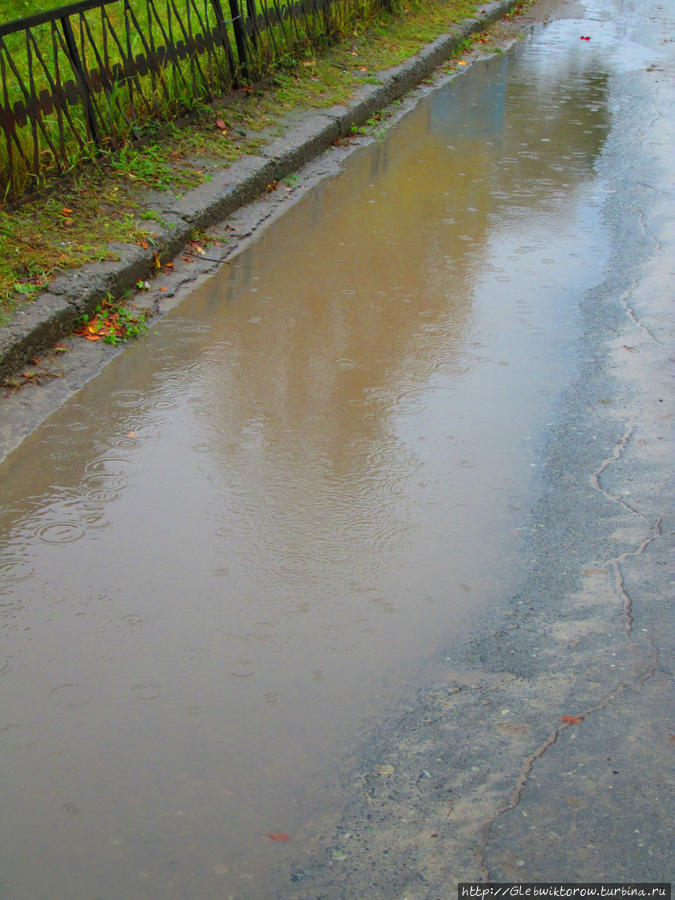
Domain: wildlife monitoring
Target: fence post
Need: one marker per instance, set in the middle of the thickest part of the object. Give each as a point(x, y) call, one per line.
point(239, 36)
point(250, 9)
point(220, 19)
point(80, 75)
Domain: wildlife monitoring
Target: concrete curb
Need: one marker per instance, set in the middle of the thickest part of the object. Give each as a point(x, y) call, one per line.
point(52, 315)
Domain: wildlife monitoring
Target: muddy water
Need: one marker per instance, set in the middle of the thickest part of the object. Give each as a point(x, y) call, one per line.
point(228, 553)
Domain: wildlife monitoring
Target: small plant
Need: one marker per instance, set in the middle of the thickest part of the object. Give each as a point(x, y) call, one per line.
point(370, 126)
point(153, 215)
point(111, 323)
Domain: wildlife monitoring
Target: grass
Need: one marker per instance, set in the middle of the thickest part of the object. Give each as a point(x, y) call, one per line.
point(73, 222)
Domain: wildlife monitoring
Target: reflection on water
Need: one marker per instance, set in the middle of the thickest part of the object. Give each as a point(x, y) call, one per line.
point(227, 553)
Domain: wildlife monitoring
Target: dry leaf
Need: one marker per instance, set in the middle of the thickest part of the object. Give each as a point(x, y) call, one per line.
point(571, 720)
point(279, 836)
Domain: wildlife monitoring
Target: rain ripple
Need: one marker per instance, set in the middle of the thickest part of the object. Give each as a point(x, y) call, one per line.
point(60, 532)
point(15, 569)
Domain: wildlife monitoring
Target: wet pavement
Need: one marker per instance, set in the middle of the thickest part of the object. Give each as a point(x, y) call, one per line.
point(237, 550)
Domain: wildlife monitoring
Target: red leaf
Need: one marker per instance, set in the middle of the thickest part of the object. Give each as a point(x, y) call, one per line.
point(280, 836)
point(571, 720)
point(220, 124)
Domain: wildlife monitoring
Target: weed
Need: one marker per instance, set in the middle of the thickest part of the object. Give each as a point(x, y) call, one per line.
point(111, 323)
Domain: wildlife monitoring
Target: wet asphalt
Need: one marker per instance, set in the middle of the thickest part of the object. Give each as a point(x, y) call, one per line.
point(542, 748)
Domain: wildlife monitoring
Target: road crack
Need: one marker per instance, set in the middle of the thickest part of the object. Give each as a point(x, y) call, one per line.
point(529, 762)
point(632, 315)
point(614, 564)
point(615, 455)
point(614, 567)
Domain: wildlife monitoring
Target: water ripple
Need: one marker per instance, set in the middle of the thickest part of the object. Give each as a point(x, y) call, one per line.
point(60, 532)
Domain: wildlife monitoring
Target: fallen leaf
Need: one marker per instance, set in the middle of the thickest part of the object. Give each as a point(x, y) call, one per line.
point(168, 265)
point(66, 211)
point(145, 245)
point(164, 288)
point(68, 222)
point(280, 836)
point(462, 62)
point(132, 434)
point(93, 337)
point(571, 720)
point(627, 347)
point(221, 124)
point(384, 770)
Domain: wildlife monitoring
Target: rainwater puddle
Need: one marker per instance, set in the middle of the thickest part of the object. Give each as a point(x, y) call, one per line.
point(233, 549)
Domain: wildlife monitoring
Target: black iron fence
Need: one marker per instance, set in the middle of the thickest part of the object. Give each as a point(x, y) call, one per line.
point(87, 77)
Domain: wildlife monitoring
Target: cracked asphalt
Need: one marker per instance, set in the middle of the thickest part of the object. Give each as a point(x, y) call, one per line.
point(541, 749)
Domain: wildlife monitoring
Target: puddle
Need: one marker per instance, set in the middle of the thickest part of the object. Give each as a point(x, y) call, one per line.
point(232, 550)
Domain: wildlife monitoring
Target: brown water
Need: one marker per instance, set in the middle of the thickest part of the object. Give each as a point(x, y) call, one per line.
point(230, 552)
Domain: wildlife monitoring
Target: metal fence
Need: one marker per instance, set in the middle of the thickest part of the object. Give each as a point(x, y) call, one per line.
point(87, 77)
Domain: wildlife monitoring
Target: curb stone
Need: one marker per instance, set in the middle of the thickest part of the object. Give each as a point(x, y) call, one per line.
point(51, 316)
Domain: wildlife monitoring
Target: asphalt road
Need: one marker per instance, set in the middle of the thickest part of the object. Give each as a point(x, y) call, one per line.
point(541, 749)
